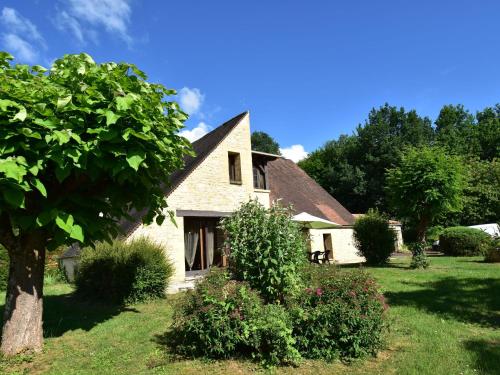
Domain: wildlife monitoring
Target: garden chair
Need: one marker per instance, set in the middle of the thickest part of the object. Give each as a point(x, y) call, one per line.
point(314, 257)
point(326, 257)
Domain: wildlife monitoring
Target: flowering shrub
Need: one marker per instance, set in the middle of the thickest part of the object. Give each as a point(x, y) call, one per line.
point(339, 317)
point(223, 318)
point(271, 306)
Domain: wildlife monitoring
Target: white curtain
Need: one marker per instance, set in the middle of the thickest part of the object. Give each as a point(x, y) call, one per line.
point(190, 246)
point(209, 242)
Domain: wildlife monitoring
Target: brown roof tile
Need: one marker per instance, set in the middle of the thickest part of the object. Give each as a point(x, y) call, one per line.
point(293, 186)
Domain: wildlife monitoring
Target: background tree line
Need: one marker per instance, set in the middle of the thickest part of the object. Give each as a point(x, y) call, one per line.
point(353, 167)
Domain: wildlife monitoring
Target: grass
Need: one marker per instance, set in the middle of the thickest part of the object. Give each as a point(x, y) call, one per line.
point(444, 320)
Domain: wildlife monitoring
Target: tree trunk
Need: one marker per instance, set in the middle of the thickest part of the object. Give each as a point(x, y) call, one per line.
point(422, 228)
point(22, 318)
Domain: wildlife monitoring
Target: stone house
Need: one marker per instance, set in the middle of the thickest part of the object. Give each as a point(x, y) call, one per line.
point(224, 173)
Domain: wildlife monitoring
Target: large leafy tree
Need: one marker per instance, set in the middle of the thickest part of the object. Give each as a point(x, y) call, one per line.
point(481, 202)
point(427, 183)
point(335, 167)
point(81, 146)
point(265, 143)
point(455, 130)
point(488, 133)
point(352, 168)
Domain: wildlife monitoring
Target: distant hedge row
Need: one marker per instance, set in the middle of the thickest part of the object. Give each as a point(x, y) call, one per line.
point(464, 241)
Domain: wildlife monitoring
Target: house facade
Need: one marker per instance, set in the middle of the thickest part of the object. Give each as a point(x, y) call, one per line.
point(225, 173)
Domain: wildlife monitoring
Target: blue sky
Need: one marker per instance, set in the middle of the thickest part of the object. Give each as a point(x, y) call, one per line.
point(308, 71)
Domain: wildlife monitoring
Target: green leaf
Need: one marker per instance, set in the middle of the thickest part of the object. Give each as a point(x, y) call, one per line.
point(124, 102)
point(65, 222)
point(63, 101)
point(40, 186)
point(38, 69)
point(14, 197)
point(77, 233)
point(46, 217)
point(30, 133)
point(111, 117)
point(48, 123)
point(21, 115)
point(135, 158)
point(5, 103)
point(160, 219)
point(62, 136)
point(12, 169)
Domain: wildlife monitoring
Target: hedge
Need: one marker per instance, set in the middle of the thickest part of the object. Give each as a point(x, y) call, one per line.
point(464, 241)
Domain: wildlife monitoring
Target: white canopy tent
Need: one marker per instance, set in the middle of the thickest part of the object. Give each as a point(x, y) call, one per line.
point(313, 222)
point(492, 229)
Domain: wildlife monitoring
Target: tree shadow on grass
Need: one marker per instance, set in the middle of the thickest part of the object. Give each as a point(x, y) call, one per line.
point(67, 312)
point(470, 300)
point(487, 355)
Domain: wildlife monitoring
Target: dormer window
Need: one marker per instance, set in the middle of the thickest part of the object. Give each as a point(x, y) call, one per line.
point(259, 176)
point(234, 168)
point(259, 166)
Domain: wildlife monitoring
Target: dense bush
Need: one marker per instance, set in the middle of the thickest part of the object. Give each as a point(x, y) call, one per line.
point(374, 238)
point(266, 249)
point(339, 317)
point(124, 272)
point(463, 241)
point(273, 336)
point(4, 268)
point(493, 253)
point(223, 318)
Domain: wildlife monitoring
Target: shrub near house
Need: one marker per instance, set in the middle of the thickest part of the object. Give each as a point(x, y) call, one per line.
point(374, 238)
point(281, 311)
point(123, 272)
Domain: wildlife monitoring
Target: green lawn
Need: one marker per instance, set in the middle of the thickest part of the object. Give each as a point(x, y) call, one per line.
point(445, 320)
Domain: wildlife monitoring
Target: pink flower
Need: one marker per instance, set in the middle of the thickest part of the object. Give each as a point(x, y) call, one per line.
point(319, 292)
point(352, 293)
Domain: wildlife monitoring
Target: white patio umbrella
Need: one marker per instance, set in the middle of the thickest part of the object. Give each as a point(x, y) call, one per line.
point(313, 222)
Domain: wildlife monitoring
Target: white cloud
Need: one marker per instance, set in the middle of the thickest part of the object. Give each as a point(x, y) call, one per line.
point(190, 100)
point(20, 48)
point(294, 153)
point(18, 25)
point(196, 133)
point(65, 22)
point(112, 15)
point(21, 36)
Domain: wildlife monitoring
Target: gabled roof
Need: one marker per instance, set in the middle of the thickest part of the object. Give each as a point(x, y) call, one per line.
point(294, 187)
point(202, 148)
